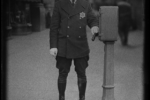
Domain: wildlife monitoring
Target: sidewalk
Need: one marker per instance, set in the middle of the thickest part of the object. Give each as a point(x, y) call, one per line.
point(32, 74)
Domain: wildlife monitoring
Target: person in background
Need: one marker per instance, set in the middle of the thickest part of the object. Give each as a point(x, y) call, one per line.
point(48, 19)
point(125, 21)
point(68, 41)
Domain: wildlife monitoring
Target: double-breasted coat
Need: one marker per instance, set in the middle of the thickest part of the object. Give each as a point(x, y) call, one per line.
point(68, 28)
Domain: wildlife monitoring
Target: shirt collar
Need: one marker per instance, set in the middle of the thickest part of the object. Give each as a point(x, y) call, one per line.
point(74, 1)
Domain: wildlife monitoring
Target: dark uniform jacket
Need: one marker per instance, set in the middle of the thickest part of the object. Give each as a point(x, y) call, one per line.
point(68, 28)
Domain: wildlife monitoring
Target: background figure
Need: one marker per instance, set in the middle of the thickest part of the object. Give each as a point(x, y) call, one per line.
point(125, 21)
point(48, 19)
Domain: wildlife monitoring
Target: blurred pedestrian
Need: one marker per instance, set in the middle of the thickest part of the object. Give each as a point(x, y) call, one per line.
point(68, 41)
point(48, 19)
point(125, 21)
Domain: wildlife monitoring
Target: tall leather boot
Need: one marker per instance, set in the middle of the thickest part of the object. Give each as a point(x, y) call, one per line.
point(82, 89)
point(61, 89)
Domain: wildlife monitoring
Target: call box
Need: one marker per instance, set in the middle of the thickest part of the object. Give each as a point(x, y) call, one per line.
point(108, 23)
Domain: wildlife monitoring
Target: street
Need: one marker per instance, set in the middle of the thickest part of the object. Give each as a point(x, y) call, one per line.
point(32, 74)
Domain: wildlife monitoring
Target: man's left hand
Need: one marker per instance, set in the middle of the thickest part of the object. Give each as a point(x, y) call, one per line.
point(94, 29)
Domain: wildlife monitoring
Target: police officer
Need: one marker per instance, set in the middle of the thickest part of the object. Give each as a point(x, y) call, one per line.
point(68, 41)
point(125, 20)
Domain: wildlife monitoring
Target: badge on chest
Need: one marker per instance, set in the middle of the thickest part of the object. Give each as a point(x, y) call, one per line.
point(82, 15)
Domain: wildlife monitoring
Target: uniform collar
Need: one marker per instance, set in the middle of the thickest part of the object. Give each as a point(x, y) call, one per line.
point(79, 7)
point(74, 1)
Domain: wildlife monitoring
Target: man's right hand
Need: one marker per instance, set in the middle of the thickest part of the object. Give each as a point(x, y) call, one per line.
point(53, 51)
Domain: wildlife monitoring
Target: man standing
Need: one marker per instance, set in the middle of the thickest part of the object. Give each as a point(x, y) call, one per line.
point(125, 20)
point(68, 41)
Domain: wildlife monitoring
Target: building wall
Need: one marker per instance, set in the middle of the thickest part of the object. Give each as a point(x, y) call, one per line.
point(137, 8)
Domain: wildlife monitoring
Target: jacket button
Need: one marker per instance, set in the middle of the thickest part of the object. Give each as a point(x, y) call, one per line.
point(79, 36)
point(80, 27)
point(67, 35)
point(68, 27)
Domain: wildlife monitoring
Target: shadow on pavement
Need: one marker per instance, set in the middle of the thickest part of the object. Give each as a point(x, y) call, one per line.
point(129, 46)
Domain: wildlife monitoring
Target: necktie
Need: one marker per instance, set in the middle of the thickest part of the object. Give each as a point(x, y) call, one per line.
point(73, 2)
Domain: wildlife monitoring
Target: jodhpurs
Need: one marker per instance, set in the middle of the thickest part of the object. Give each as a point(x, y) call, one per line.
point(64, 64)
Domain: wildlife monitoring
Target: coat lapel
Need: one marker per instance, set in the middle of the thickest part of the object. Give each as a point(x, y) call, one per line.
point(79, 7)
point(66, 6)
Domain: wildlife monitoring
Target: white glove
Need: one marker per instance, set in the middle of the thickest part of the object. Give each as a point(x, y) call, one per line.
point(94, 29)
point(53, 51)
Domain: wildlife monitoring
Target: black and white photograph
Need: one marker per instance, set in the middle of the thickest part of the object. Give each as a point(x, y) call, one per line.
point(73, 50)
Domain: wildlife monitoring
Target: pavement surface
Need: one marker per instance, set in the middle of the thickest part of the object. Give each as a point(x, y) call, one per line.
point(32, 74)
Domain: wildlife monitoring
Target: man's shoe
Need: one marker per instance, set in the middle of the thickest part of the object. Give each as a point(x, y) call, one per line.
point(82, 98)
point(82, 88)
point(61, 98)
point(61, 89)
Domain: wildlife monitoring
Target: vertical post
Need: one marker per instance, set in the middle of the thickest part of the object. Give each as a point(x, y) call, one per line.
point(108, 80)
point(108, 29)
